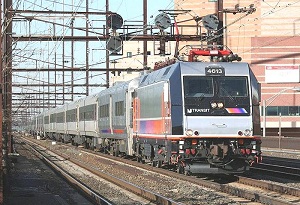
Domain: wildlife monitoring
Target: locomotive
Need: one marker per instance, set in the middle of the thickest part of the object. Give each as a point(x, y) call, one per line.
point(195, 117)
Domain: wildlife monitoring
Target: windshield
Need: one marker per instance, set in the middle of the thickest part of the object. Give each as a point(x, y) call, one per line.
point(197, 86)
point(232, 86)
point(202, 86)
point(216, 95)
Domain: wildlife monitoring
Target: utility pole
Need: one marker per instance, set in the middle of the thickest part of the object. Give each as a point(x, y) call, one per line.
point(55, 87)
point(221, 11)
point(145, 33)
point(7, 76)
point(220, 29)
point(106, 50)
point(1, 109)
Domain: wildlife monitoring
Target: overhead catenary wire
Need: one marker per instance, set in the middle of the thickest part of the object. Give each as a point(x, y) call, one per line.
point(48, 61)
point(272, 11)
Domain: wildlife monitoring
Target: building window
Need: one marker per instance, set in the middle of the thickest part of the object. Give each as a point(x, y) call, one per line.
point(293, 110)
point(129, 54)
point(272, 111)
point(283, 110)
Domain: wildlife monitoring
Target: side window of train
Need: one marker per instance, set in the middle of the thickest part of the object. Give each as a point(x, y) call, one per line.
point(119, 108)
point(104, 111)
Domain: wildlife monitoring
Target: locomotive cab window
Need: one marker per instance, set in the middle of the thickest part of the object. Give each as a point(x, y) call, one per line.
point(216, 95)
point(198, 86)
point(233, 87)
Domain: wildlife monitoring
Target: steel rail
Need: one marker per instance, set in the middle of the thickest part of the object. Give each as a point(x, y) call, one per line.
point(285, 171)
point(96, 198)
point(250, 195)
point(269, 186)
point(149, 195)
point(225, 188)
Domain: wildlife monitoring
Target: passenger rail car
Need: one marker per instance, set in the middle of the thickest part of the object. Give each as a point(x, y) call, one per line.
point(196, 117)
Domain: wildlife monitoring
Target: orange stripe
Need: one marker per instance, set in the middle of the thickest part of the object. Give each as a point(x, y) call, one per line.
point(136, 114)
point(165, 112)
point(118, 131)
point(162, 113)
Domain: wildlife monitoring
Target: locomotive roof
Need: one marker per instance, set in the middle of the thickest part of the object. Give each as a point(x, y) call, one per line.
point(231, 68)
point(163, 74)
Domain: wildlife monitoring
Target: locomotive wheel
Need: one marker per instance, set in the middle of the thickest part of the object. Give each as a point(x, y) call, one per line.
point(139, 159)
point(115, 153)
point(159, 164)
point(187, 173)
point(180, 169)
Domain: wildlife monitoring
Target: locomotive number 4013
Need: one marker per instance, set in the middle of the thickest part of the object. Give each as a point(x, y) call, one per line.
point(214, 71)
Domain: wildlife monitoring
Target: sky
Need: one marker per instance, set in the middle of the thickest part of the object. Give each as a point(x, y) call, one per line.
point(39, 54)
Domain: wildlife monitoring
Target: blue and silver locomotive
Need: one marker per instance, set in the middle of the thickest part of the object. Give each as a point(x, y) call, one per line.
point(198, 117)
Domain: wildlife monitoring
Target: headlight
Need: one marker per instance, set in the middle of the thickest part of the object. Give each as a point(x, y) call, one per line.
point(189, 132)
point(220, 105)
point(213, 105)
point(247, 132)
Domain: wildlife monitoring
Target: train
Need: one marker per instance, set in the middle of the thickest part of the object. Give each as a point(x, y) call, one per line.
point(194, 117)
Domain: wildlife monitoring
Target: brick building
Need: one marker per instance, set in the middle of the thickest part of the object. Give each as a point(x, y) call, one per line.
point(268, 39)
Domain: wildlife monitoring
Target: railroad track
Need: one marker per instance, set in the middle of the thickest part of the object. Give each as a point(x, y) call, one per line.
point(95, 197)
point(242, 187)
point(286, 166)
point(281, 189)
point(48, 159)
point(278, 170)
point(283, 161)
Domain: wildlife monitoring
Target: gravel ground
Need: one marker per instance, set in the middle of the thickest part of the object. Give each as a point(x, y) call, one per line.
point(30, 181)
point(289, 154)
point(175, 189)
point(110, 191)
point(178, 190)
